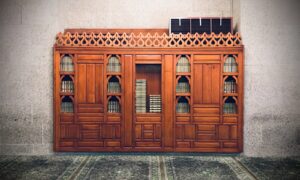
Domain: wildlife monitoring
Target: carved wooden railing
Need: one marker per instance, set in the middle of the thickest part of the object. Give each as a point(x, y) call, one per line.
point(147, 40)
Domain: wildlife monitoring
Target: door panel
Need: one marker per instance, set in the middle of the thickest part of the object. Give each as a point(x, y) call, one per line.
point(206, 83)
point(90, 98)
point(201, 132)
point(90, 83)
point(147, 132)
point(215, 86)
point(198, 81)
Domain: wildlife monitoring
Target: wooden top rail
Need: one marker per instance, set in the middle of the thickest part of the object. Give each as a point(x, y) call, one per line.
point(146, 40)
point(152, 31)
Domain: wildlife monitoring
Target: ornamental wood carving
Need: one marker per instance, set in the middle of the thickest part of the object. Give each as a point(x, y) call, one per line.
point(147, 41)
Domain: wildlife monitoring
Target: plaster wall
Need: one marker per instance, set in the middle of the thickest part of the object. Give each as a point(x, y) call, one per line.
point(28, 29)
point(27, 34)
point(271, 35)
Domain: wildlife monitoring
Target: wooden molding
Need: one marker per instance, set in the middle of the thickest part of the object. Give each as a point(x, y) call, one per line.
point(149, 40)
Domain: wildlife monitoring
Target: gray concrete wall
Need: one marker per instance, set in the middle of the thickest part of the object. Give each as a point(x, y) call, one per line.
point(28, 29)
point(271, 35)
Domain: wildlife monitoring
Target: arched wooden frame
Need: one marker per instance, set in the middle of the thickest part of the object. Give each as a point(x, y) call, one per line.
point(71, 97)
point(63, 55)
point(183, 55)
point(119, 79)
point(189, 60)
point(186, 97)
point(107, 63)
point(235, 59)
point(119, 99)
point(234, 77)
point(188, 100)
point(118, 56)
point(233, 97)
point(233, 55)
point(61, 101)
point(111, 76)
point(180, 76)
point(63, 76)
point(187, 77)
point(236, 81)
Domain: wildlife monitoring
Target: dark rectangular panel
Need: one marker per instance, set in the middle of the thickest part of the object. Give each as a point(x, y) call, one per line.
point(221, 25)
point(180, 26)
point(200, 26)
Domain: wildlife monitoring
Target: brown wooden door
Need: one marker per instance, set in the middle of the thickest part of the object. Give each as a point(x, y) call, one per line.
point(206, 100)
point(200, 130)
point(90, 100)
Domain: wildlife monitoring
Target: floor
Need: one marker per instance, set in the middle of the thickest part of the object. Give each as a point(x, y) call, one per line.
point(147, 166)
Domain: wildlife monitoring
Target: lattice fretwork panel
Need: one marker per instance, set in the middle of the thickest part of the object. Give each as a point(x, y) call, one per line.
point(148, 40)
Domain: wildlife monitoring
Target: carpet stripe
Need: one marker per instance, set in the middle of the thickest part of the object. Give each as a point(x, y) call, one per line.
point(162, 168)
point(159, 169)
point(150, 168)
point(71, 168)
point(238, 169)
point(155, 170)
point(75, 173)
point(87, 170)
point(165, 168)
point(245, 167)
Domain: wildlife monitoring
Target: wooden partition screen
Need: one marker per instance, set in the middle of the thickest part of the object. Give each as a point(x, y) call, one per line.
point(143, 90)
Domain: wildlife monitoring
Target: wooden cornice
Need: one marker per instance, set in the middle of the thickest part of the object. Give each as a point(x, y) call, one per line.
point(143, 38)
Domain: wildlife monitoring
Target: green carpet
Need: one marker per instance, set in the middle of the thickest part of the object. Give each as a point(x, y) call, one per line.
point(146, 166)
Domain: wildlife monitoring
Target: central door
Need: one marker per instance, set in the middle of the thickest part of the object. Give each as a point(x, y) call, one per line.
point(147, 100)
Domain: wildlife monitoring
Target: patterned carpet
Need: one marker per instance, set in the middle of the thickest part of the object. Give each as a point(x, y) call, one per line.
point(145, 166)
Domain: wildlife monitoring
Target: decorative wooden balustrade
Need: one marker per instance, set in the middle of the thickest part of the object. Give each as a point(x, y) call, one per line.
point(147, 40)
